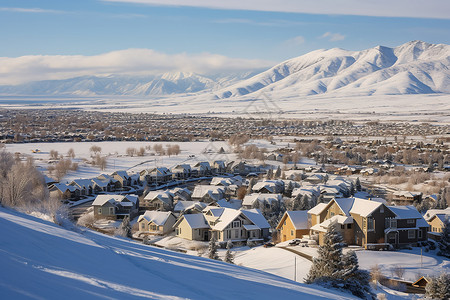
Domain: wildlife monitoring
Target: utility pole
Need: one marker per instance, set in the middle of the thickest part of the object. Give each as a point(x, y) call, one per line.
point(295, 268)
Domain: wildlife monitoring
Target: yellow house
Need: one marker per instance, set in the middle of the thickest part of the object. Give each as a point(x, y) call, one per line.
point(293, 224)
point(437, 223)
point(192, 227)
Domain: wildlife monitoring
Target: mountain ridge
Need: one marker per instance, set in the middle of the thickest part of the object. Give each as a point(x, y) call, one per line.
point(414, 67)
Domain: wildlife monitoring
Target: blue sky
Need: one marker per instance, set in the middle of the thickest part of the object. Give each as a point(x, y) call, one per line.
point(227, 32)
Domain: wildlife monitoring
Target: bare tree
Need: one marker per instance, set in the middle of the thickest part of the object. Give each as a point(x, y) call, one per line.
point(95, 149)
point(141, 151)
point(54, 154)
point(71, 153)
point(131, 151)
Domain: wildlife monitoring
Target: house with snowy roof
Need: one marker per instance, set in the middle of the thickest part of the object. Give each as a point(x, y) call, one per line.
point(84, 185)
point(406, 197)
point(158, 200)
point(181, 172)
point(115, 206)
point(293, 224)
point(269, 187)
point(156, 175)
point(122, 177)
point(64, 192)
point(436, 219)
point(156, 222)
point(208, 193)
point(367, 223)
point(202, 168)
point(261, 200)
point(225, 223)
point(189, 207)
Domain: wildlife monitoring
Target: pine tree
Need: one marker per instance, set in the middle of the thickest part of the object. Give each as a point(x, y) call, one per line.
point(304, 204)
point(278, 172)
point(438, 287)
point(328, 264)
point(444, 243)
point(212, 250)
point(229, 257)
point(124, 228)
point(333, 269)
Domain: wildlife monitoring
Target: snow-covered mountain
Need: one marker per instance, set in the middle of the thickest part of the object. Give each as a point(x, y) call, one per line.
point(412, 68)
point(165, 84)
point(40, 260)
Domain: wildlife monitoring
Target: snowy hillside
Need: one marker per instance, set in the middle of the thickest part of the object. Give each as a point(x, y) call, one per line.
point(412, 68)
point(165, 84)
point(43, 261)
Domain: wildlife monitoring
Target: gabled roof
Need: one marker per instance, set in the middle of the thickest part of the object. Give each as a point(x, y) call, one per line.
point(122, 174)
point(195, 221)
point(202, 190)
point(318, 209)
point(256, 217)
point(405, 212)
point(86, 183)
point(64, 187)
point(102, 199)
point(299, 218)
point(227, 216)
point(157, 217)
point(184, 205)
point(431, 212)
point(250, 199)
point(100, 183)
point(364, 207)
point(233, 203)
point(345, 204)
point(163, 196)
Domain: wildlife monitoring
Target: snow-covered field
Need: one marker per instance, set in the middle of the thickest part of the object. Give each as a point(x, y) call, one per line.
point(40, 260)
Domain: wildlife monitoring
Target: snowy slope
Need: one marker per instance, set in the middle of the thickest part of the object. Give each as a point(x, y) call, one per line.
point(40, 260)
point(412, 68)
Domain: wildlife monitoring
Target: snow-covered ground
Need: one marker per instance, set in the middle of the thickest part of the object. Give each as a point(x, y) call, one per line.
point(40, 260)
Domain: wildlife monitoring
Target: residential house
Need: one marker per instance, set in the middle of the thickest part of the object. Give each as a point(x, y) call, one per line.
point(156, 222)
point(114, 183)
point(180, 194)
point(122, 177)
point(436, 219)
point(208, 193)
point(406, 198)
point(192, 227)
point(181, 172)
point(203, 169)
point(367, 223)
point(64, 192)
point(293, 224)
point(408, 226)
point(189, 207)
point(158, 175)
point(263, 200)
point(100, 186)
point(158, 200)
point(219, 167)
point(115, 206)
point(84, 185)
point(269, 187)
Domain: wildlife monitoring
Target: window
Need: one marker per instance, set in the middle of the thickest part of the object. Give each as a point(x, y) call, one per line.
point(111, 210)
point(382, 209)
point(411, 234)
point(370, 225)
point(142, 226)
point(332, 214)
point(420, 234)
point(292, 232)
point(364, 222)
point(236, 233)
point(393, 223)
point(236, 223)
point(99, 210)
point(410, 221)
point(342, 226)
point(349, 226)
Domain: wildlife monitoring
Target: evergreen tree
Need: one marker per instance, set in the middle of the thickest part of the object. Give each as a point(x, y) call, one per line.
point(328, 264)
point(229, 257)
point(289, 189)
point(124, 228)
point(270, 174)
point(444, 243)
point(212, 250)
point(333, 269)
point(438, 287)
point(305, 205)
point(278, 172)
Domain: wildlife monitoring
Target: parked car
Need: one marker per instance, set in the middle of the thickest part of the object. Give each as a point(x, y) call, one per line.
point(294, 242)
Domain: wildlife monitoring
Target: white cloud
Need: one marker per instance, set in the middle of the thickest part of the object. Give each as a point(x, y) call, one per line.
point(334, 37)
point(15, 70)
point(380, 8)
point(30, 10)
point(296, 41)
